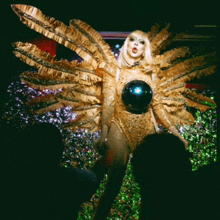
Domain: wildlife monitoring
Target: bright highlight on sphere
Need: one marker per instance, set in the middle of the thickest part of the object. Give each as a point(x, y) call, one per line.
point(137, 96)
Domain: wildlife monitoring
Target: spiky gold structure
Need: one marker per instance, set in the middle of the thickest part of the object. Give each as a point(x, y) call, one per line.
point(91, 85)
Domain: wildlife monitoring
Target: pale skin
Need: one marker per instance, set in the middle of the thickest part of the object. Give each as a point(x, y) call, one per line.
point(136, 46)
point(115, 161)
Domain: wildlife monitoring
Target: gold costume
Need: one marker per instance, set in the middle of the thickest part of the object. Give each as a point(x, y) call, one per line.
point(134, 126)
point(91, 86)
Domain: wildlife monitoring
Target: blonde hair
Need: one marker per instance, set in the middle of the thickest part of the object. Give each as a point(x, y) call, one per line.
point(125, 61)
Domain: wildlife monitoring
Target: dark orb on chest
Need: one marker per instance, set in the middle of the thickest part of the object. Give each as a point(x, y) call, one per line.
point(137, 96)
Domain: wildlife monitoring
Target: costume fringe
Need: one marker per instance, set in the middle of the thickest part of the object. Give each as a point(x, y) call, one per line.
point(188, 66)
point(188, 76)
point(158, 40)
point(182, 118)
point(166, 59)
point(199, 101)
point(85, 121)
point(79, 37)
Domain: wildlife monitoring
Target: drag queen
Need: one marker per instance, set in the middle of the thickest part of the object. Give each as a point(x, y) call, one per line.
point(134, 63)
point(127, 99)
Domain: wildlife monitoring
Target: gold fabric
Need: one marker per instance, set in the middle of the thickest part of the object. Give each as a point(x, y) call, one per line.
point(134, 126)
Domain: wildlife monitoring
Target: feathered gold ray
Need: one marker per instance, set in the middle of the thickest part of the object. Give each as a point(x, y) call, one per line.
point(91, 90)
point(42, 82)
point(33, 56)
point(152, 33)
point(52, 103)
point(95, 38)
point(51, 72)
point(188, 76)
point(176, 98)
point(188, 66)
point(158, 40)
point(191, 99)
point(172, 102)
point(85, 121)
point(182, 117)
point(197, 105)
point(63, 104)
point(180, 87)
point(26, 49)
point(198, 101)
point(79, 75)
point(42, 102)
point(74, 96)
point(87, 113)
point(59, 32)
point(171, 109)
point(167, 42)
point(165, 60)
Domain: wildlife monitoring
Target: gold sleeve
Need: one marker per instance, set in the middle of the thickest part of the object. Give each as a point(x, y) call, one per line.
point(109, 98)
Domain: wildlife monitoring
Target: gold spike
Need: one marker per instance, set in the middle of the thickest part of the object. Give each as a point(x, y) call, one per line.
point(179, 87)
point(159, 39)
point(187, 66)
point(170, 102)
point(188, 76)
point(153, 32)
point(165, 59)
point(57, 31)
point(199, 101)
point(171, 109)
point(180, 120)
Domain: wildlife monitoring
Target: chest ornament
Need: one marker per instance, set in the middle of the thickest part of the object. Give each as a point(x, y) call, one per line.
point(136, 96)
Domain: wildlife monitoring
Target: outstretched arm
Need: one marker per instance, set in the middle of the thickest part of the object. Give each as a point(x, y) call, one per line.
point(109, 96)
point(162, 115)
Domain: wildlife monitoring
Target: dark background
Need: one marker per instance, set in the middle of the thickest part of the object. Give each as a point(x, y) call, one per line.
point(123, 15)
point(107, 16)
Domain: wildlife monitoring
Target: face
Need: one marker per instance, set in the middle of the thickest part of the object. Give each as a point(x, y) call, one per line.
point(136, 46)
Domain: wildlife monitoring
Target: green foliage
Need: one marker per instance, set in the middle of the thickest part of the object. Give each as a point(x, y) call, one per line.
point(202, 138)
point(126, 204)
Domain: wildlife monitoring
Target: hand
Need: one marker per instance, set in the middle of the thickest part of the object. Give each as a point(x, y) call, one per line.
point(186, 144)
point(176, 133)
point(100, 145)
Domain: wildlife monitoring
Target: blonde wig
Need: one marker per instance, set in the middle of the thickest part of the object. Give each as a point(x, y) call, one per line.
point(125, 61)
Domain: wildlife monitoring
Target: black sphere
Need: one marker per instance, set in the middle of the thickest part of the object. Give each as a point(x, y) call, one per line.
point(136, 96)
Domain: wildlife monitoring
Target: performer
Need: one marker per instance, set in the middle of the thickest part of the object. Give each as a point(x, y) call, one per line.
point(134, 60)
point(127, 98)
